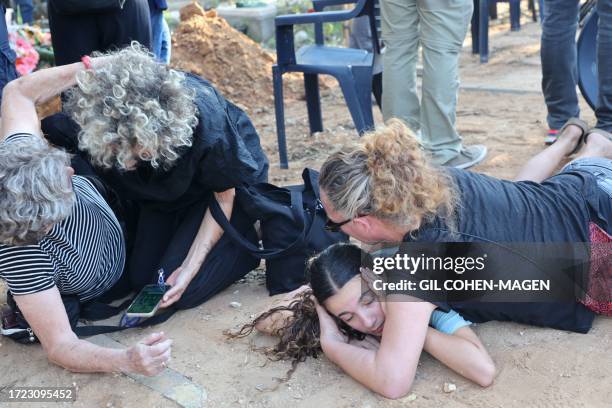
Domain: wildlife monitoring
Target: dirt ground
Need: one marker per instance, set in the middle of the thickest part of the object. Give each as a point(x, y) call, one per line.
point(500, 105)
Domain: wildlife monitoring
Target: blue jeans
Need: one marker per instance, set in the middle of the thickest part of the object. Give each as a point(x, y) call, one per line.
point(160, 36)
point(600, 167)
point(7, 55)
point(26, 9)
point(558, 54)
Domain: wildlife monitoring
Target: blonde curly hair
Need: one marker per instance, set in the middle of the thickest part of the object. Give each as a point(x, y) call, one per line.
point(387, 175)
point(132, 109)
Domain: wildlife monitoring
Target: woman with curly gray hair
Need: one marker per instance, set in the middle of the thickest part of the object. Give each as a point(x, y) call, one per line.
point(168, 141)
point(59, 238)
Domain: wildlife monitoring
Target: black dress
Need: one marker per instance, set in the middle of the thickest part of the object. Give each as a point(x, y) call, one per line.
point(171, 204)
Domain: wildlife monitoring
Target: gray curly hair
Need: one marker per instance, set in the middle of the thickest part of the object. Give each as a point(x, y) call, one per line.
point(132, 109)
point(35, 191)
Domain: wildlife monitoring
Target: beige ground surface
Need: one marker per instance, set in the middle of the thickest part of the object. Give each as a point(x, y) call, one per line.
point(537, 367)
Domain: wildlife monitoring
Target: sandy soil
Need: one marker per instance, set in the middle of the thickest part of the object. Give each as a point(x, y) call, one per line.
point(537, 367)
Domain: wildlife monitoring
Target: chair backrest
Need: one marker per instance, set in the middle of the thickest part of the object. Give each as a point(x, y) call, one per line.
point(370, 8)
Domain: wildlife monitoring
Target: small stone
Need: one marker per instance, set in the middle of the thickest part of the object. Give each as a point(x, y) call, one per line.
point(235, 305)
point(411, 397)
point(522, 333)
point(260, 387)
point(236, 292)
point(449, 387)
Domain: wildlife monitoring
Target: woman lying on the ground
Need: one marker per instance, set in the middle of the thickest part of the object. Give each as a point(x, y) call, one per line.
point(378, 340)
point(169, 142)
point(58, 235)
point(382, 189)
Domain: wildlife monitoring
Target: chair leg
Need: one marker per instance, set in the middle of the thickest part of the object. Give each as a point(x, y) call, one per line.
point(313, 102)
point(475, 27)
point(363, 83)
point(483, 30)
point(279, 109)
point(357, 89)
point(515, 15)
point(352, 103)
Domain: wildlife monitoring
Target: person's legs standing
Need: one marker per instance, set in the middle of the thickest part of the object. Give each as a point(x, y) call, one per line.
point(604, 61)
point(26, 9)
point(558, 55)
point(72, 36)
point(443, 27)
point(399, 20)
point(133, 23)
point(166, 43)
point(157, 18)
point(7, 55)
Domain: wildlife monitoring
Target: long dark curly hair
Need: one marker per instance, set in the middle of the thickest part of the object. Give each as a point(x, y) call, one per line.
point(299, 332)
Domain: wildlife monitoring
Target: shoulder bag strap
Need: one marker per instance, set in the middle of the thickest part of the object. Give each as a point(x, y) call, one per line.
point(266, 253)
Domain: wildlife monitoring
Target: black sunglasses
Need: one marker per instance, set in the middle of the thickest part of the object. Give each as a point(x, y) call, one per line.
point(335, 226)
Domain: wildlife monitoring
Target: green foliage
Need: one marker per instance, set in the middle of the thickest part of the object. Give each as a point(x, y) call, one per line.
point(333, 32)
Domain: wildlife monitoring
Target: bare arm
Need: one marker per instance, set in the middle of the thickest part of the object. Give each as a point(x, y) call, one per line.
point(463, 353)
point(390, 370)
point(208, 235)
point(46, 314)
point(20, 96)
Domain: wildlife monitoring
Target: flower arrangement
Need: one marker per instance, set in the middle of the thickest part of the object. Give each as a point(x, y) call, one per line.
point(31, 44)
point(27, 57)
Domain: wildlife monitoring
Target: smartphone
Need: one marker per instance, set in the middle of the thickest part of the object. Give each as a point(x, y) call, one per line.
point(147, 301)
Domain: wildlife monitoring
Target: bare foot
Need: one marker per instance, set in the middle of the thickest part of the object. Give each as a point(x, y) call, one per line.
point(569, 138)
point(597, 145)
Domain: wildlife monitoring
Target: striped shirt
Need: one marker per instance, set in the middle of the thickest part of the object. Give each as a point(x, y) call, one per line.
point(82, 255)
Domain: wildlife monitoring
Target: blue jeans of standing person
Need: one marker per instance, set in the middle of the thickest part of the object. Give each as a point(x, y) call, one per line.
point(160, 36)
point(26, 9)
point(7, 55)
point(559, 61)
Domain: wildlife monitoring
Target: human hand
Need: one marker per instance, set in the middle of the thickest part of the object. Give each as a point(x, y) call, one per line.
point(178, 280)
point(149, 356)
point(329, 329)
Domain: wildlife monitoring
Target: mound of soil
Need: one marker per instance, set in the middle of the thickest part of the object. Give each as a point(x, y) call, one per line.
point(206, 45)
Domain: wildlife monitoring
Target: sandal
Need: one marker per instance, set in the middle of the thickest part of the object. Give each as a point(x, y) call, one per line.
point(599, 132)
point(582, 139)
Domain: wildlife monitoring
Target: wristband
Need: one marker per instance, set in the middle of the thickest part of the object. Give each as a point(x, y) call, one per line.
point(86, 60)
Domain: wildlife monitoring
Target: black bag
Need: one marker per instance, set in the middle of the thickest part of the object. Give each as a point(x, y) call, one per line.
point(292, 223)
point(71, 7)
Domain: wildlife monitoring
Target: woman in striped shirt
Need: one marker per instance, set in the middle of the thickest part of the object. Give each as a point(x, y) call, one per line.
point(58, 236)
